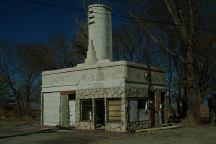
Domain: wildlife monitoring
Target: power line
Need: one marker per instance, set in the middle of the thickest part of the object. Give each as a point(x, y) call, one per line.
point(52, 4)
point(80, 10)
point(42, 10)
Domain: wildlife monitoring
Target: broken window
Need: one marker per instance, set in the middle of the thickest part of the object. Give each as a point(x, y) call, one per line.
point(72, 96)
point(86, 110)
point(143, 113)
point(114, 110)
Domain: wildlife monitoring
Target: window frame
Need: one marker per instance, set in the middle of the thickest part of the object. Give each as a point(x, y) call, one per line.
point(140, 106)
point(81, 110)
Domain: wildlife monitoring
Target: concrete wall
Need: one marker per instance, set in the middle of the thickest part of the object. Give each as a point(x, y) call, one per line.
point(84, 77)
point(136, 73)
point(100, 75)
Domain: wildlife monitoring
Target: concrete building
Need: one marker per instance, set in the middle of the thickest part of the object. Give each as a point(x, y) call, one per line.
point(115, 96)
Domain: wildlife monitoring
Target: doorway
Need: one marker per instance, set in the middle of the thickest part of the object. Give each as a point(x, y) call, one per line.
point(72, 111)
point(162, 107)
point(99, 113)
point(152, 108)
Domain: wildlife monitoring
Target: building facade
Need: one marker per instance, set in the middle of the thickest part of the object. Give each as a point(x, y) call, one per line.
point(102, 94)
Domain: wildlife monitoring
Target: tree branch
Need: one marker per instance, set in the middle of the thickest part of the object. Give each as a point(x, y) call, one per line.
point(167, 50)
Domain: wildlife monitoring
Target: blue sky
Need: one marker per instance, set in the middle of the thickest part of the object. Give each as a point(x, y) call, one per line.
point(22, 21)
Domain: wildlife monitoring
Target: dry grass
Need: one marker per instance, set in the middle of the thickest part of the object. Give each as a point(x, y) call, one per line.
point(204, 115)
point(204, 111)
point(14, 122)
point(11, 118)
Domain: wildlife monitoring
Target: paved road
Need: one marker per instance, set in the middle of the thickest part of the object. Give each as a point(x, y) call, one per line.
point(202, 135)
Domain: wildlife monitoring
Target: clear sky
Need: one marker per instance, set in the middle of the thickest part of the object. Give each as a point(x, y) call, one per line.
point(23, 21)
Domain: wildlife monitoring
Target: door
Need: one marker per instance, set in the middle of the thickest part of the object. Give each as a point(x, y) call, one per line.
point(72, 111)
point(51, 107)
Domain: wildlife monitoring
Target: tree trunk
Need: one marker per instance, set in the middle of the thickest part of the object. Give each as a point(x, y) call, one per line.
point(179, 111)
point(19, 100)
point(184, 99)
point(193, 111)
point(28, 101)
point(193, 93)
point(21, 104)
point(18, 96)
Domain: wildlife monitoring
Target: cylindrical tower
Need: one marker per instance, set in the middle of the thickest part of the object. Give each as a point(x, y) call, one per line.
point(100, 31)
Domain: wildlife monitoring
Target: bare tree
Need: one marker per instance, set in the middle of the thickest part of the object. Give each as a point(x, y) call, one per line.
point(4, 91)
point(8, 73)
point(32, 59)
point(184, 17)
point(61, 48)
point(20, 68)
point(80, 42)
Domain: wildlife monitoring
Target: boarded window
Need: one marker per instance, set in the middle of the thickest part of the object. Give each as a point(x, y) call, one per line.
point(114, 110)
point(133, 112)
point(86, 110)
point(138, 110)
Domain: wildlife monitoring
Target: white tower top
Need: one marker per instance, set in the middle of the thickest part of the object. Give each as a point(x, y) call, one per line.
point(99, 32)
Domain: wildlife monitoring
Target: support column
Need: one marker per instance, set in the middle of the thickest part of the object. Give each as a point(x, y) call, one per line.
point(93, 115)
point(64, 111)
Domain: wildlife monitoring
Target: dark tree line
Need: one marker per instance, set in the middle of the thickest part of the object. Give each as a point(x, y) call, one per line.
point(21, 65)
point(177, 35)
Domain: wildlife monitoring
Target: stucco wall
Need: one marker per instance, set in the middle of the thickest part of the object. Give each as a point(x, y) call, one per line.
point(101, 75)
point(103, 80)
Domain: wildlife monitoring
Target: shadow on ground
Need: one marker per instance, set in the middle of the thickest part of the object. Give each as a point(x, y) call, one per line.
point(70, 140)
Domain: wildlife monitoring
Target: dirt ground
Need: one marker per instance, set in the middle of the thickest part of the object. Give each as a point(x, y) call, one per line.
point(201, 135)
point(16, 122)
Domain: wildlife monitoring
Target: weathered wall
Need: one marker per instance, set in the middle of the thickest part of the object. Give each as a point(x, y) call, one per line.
point(134, 92)
point(64, 113)
point(100, 30)
point(138, 74)
point(105, 93)
point(142, 92)
point(124, 93)
point(101, 75)
point(103, 80)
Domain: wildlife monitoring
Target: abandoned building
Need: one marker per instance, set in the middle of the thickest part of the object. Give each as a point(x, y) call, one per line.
point(101, 93)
